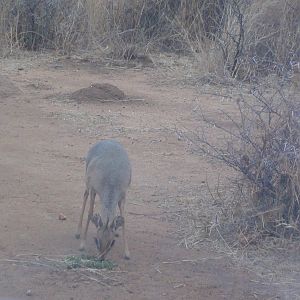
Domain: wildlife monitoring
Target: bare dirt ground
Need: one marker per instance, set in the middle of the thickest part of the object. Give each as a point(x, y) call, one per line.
point(44, 137)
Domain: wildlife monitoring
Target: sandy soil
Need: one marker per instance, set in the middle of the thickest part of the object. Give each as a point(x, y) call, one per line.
point(44, 137)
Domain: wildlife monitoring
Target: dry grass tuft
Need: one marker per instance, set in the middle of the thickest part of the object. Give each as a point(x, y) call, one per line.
point(86, 267)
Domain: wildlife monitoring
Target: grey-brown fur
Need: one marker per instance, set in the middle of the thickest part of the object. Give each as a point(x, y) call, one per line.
point(108, 174)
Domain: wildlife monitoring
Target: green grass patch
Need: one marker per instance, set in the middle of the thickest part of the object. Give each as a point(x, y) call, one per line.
point(86, 261)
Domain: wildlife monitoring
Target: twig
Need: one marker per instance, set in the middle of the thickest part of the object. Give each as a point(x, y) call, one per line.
point(27, 262)
point(191, 260)
point(93, 279)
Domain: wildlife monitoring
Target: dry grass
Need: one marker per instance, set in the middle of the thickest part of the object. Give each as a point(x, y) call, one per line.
point(87, 268)
point(224, 37)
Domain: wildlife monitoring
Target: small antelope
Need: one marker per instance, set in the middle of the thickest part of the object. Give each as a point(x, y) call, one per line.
point(108, 174)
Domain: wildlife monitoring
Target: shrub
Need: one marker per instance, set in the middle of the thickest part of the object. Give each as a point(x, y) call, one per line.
point(232, 34)
point(260, 140)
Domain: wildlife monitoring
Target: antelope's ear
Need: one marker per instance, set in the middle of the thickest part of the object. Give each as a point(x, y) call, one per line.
point(118, 222)
point(96, 219)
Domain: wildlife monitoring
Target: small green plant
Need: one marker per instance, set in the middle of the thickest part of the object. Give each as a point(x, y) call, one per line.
point(86, 261)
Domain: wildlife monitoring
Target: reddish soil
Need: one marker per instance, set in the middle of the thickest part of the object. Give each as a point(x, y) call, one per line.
point(44, 137)
point(98, 92)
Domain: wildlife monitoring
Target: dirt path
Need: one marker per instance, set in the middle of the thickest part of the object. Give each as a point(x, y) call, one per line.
point(43, 140)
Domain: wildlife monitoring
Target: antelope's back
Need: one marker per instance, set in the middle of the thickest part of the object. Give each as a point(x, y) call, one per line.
point(108, 166)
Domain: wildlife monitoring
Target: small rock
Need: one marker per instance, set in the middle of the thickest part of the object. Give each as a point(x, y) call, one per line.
point(28, 293)
point(62, 217)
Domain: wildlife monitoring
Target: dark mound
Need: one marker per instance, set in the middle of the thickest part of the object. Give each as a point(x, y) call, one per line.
point(99, 92)
point(7, 88)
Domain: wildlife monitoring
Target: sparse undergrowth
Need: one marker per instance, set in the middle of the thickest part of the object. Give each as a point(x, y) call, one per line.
point(224, 37)
point(260, 141)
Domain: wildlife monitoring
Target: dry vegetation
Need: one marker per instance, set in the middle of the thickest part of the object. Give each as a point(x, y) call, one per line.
point(225, 37)
point(240, 39)
point(261, 143)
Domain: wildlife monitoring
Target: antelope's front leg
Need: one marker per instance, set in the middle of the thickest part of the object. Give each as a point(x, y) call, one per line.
point(90, 216)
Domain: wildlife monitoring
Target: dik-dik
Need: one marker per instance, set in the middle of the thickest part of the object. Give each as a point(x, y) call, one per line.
point(108, 174)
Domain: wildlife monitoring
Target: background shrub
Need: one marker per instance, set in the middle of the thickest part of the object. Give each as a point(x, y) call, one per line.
point(231, 35)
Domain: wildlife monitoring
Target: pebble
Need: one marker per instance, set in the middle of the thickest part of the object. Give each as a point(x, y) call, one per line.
point(62, 217)
point(28, 293)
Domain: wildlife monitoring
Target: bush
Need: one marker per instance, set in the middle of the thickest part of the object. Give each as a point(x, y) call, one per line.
point(260, 140)
point(232, 34)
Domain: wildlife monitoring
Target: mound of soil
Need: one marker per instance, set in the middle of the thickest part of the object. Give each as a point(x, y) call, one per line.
point(7, 88)
point(99, 92)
